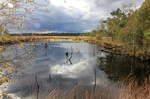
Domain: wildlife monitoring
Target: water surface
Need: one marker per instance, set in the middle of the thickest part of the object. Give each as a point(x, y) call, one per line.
point(62, 65)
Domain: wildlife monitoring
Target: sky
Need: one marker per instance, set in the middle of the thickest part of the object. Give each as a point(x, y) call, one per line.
point(72, 15)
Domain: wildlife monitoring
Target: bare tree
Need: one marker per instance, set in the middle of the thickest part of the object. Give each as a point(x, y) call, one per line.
point(13, 12)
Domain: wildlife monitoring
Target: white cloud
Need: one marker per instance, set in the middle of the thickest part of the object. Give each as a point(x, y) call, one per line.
point(66, 15)
point(91, 8)
point(6, 3)
point(10, 5)
point(81, 5)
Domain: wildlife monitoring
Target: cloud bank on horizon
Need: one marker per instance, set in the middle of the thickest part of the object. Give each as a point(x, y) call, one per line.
point(73, 15)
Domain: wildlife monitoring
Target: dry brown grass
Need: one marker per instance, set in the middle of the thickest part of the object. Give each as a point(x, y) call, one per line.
point(79, 92)
point(52, 37)
point(131, 90)
point(6, 39)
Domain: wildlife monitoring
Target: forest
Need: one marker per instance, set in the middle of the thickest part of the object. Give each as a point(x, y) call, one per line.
point(127, 26)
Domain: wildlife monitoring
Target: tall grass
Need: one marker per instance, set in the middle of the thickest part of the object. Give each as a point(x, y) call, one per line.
point(132, 90)
point(79, 92)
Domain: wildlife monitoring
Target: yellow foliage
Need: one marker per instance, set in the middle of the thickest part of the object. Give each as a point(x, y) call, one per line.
point(5, 37)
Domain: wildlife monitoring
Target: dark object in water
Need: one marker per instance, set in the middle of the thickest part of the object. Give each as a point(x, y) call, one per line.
point(69, 57)
point(67, 54)
point(46, 45)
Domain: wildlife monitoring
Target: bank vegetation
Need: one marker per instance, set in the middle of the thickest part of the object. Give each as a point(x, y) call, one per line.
point(128, 30)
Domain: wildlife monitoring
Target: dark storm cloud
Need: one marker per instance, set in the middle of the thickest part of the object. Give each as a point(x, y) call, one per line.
point(74, 18)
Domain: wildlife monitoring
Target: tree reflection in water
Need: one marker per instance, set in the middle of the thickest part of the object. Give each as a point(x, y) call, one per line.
point(121, 67)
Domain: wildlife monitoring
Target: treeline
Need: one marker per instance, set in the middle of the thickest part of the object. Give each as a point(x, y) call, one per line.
point(49, 34)
point(131, 27)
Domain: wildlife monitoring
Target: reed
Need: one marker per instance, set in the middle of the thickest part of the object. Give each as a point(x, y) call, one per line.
point(134, 90)
point(130, 90)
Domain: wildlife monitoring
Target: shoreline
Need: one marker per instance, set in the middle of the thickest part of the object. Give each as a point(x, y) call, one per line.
point(118, 48)
point(108, 45)
point(20, 39)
